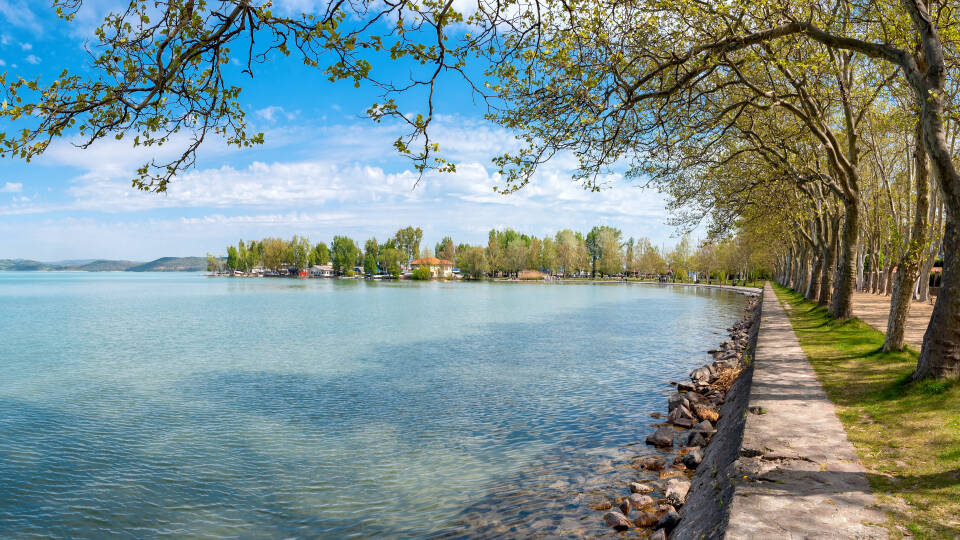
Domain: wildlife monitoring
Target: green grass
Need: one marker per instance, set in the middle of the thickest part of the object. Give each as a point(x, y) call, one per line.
point(907, 435)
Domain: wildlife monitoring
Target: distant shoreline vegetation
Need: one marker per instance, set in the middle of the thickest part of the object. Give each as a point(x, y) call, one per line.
point(602, 252)
point(163, 264)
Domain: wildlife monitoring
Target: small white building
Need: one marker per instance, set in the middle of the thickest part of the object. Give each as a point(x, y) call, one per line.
point(439, 268)
point(321, 271)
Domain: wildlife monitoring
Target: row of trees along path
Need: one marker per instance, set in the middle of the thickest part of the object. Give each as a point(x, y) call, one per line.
point(827, 131)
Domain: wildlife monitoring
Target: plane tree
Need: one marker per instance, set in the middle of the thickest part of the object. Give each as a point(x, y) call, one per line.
point(615, 77)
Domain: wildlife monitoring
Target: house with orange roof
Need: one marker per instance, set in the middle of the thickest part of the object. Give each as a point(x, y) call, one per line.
point(439, 268)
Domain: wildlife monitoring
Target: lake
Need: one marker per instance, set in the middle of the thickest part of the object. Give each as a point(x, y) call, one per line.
point(145, 405)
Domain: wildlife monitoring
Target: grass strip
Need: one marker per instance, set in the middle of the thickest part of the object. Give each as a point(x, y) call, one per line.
point(907, 435)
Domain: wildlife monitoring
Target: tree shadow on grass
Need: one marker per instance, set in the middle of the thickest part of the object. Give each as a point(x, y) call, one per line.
point(927, 487)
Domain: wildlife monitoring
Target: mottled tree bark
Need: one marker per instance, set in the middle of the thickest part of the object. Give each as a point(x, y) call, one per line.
point(841, 306)
point(940, 356)
point(888, 279)
point(908, 269)
point(813, 288)
point(829, 262)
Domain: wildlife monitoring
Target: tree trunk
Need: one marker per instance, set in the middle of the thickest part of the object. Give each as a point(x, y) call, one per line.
point(841, 307)
point(940, 356)
point(923, 291)
point(888, 280)
point(789, 269)
point(802, 274)
point(861, 259)
point(813, 288)
point(908, 268)
point(829, 261)
point(899, 309)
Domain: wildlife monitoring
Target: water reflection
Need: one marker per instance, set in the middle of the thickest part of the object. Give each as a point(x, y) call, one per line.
point(253, 409)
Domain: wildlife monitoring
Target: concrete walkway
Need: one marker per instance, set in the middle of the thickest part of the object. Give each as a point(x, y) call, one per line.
point(803, 479)
point(875, 309)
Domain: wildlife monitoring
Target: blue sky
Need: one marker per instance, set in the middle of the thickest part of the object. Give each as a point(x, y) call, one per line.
point(324, 170)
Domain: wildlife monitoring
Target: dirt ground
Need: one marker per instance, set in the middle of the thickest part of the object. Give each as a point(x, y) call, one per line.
point(873, 310)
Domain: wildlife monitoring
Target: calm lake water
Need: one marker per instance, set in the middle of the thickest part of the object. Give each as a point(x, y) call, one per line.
point(144, 405)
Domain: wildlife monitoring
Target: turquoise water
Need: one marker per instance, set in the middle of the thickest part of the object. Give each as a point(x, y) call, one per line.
point(145, 405)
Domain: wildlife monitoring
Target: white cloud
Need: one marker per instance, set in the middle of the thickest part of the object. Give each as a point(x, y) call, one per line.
point(463, 201)
point(2, 63)
point(342, 173)
point(20, 13)
point(26, 46)
point(32, 59)
point(273, 185)
point(347, 182)
point(11, 187)
point(110, 158)
point(275, 112)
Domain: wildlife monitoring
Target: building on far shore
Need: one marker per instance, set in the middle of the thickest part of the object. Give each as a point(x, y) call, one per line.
point(439, 268)
point(323, 270)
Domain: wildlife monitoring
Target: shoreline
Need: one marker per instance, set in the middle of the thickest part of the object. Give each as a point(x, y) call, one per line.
point(679, 493)
point(753, 291)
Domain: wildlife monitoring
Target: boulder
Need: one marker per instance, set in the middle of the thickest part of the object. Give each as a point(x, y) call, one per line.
point(685, 387)
point(705, 427)
point(654, 463)
point(637, 487)
point(639, 501)
point(659, 535)
point(624, 507)
point(676, 400)
point(663, 508)
point(721, 365)
point(617, 521)
point(646, 519)
point(701, 375)
point(696, 439)
point(661, 438)
point(676, 492)
point(603, 504)
point(693, 458)
point(668, 521)
point(681, 416)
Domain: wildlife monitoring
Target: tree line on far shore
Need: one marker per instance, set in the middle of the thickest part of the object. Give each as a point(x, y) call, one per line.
point(600, 252)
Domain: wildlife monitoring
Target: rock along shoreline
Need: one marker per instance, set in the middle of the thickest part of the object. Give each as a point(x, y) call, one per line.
point(684, 491)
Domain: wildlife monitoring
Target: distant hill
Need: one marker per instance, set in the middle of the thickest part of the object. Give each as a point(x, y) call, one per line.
point(25, 265)
point(105, 266)
point(172, 264)
point(163, 264)
point(71, 262)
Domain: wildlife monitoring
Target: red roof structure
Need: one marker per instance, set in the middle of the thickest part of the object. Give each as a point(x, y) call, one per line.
point(431, 261)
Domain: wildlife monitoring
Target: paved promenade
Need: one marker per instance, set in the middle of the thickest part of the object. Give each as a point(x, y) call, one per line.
point(803, 479)
point(874, 310)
